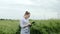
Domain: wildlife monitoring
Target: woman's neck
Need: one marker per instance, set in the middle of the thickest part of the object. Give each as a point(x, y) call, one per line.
point(25, 17)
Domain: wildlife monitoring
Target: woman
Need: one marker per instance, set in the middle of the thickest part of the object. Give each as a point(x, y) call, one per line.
point(25, 29)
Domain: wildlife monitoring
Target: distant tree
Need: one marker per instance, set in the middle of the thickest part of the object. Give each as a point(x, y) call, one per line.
point(58, 14)
point(2, 19)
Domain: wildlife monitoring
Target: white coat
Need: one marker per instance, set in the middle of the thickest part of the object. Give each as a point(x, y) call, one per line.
point(25, 30)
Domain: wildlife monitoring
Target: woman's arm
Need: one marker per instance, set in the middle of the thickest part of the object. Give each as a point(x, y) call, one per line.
point(26, 25)
point(23, 24)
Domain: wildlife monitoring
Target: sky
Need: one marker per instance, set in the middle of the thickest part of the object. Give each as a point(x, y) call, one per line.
point(39, 9)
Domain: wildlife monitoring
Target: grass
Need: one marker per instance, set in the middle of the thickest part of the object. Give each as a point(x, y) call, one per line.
point(8, 26)
point(47, 26)
point(51, 26)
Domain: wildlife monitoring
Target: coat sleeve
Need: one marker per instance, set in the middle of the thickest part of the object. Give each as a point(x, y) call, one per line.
point(22, 23)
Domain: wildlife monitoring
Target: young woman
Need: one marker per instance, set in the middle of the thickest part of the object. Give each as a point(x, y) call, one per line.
point(25, 29)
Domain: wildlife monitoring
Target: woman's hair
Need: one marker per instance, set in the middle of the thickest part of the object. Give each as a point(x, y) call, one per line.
point(26, 13)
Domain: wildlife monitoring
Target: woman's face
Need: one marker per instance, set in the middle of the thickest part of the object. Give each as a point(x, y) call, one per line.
point(27, 16)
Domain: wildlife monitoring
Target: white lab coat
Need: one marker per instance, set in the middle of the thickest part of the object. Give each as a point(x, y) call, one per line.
point(25, 30)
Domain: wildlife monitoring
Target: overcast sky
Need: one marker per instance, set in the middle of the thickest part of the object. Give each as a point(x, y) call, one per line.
point(39, 9)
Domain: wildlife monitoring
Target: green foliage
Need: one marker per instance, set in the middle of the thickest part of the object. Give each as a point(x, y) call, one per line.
point(51, 26)
point(8, 26)
point(47, 26)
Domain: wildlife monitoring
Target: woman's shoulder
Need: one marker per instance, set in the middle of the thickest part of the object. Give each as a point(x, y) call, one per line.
point(22, 19)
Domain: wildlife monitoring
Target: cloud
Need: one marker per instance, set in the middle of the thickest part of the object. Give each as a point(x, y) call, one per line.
point(47, 4)
point(39, 9)
point(26, 2)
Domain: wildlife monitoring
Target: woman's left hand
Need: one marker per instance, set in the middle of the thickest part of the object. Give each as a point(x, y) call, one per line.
point(30, 24)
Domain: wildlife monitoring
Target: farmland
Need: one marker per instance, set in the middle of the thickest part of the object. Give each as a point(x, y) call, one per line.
point(51, 26)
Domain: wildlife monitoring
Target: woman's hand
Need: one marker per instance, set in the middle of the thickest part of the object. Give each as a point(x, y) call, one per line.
point(29, 23)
